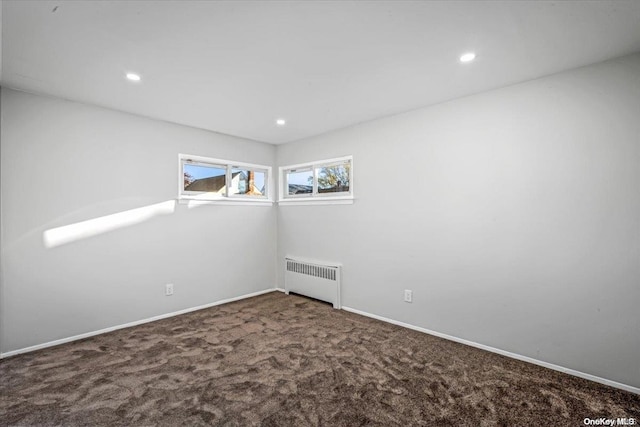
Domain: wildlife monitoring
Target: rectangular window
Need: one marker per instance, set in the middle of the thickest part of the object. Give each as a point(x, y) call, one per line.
point(248, 182)
point(334, 178)
point(199, 177)
point(299, 182)
point(323, 180)
point(206, 179)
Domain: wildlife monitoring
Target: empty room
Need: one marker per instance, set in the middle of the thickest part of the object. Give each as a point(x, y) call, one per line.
point(320, 213)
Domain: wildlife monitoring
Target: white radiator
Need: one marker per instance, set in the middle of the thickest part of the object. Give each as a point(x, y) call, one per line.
point(313, 279)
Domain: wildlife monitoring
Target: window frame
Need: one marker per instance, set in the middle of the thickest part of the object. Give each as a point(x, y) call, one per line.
point(315, 197)
point(203, 197)
point(285, 183)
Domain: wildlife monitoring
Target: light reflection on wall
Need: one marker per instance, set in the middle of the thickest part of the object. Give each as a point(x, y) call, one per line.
point(92, 227)
point(195, 201)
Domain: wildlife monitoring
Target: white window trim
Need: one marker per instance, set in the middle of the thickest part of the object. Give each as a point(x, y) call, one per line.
point(314, 198)
point(202, 198)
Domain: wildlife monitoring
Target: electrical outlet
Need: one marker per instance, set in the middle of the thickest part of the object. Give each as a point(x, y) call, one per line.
point(408, 295)
point(168, 289)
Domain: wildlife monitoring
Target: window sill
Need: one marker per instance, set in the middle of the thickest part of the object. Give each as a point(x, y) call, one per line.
point(316, 201)
point(228, 202)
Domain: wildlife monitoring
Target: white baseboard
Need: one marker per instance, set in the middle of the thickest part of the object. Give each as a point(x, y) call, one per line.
point(128, 325)
point(573, 372)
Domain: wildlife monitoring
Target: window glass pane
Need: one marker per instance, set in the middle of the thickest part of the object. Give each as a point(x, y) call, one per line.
point(334, 178)
point(299, 182)
point(210, 179)
point(248, 182)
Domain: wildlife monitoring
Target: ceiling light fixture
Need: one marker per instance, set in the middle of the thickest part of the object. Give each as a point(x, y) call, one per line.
point(133, 77)
point(281, 122)
point(467, 57)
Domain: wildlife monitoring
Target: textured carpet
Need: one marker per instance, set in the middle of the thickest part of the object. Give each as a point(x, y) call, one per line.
point(290, 361)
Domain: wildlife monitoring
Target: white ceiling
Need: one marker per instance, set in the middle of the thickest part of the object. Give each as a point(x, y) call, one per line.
point(236, 66)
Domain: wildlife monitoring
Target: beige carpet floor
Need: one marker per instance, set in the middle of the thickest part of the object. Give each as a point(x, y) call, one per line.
point(278, 360)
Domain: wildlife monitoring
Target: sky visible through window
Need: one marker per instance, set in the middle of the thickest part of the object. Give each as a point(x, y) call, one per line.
point(299, 178)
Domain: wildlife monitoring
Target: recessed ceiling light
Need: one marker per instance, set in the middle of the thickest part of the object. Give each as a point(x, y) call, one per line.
point(281, 122)
point(468, 57)
point(133, 77)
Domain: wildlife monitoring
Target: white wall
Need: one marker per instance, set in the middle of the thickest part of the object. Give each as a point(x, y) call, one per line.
point(513, 215)
point(64, 162)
